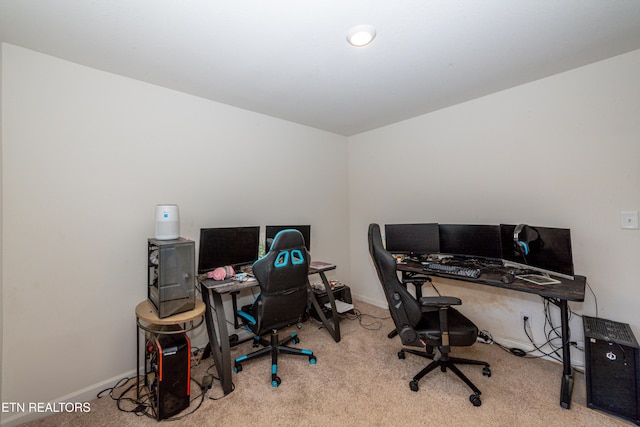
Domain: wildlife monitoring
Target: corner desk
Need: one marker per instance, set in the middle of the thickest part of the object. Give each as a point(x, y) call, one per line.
point(559, 294)
point(218, 332)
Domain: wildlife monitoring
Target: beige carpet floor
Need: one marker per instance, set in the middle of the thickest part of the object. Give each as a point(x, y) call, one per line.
point(361, 382)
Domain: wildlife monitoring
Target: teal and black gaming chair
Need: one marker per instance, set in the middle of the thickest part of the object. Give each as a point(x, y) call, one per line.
point(283, 277)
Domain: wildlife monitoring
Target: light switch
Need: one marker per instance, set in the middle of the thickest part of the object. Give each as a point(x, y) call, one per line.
point(629, 220)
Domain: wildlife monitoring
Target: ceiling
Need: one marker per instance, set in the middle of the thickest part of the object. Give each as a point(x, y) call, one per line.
point(290, 59)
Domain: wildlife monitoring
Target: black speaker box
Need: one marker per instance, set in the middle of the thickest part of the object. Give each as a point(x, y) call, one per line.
point(612, 368)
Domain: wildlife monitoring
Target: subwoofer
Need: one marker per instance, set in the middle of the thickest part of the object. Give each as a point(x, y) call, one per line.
point(612, 368)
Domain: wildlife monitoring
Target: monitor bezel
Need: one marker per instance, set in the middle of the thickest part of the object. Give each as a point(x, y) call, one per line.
point(421, 248)
point(249, 256)
point(561, 266)
point(484, 250)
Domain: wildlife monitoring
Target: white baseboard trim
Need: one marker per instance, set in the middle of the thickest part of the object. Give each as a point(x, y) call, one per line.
point(375, 303)
point(83, 395)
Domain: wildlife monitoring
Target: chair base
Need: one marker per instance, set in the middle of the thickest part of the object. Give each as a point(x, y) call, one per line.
point(444, 362)
point(274, 347)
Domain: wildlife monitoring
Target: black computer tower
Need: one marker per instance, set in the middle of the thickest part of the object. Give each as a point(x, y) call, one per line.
point(612, 368)
point(171, 276)
point(168, 371)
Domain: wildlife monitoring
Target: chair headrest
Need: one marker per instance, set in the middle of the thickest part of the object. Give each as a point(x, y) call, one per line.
point(286, 239)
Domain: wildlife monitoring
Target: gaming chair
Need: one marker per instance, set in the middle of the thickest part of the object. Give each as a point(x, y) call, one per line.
point(283, 277)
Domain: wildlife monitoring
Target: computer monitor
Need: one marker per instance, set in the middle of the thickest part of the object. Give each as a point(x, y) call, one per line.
point(549, 249)
point(234, 246)
point(471, 240)
point(412, 239)
point(272, 230)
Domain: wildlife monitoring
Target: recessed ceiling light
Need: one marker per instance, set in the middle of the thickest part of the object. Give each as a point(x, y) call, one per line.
point(361, 35)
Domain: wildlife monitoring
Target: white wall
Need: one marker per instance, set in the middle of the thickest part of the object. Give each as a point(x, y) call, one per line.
point(559, 152)
point(86, 157)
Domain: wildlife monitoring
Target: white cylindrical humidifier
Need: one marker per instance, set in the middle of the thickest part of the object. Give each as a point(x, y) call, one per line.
point(167, 222)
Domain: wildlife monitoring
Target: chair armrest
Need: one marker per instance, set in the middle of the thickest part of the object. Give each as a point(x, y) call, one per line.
point(416, 279)
point(440, 301)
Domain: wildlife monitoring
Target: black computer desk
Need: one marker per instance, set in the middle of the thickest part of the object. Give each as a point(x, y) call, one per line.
point(212, 295)
point(558, 294)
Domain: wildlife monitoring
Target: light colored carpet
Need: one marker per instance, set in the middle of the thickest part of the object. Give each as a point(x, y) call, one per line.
point(361, 382)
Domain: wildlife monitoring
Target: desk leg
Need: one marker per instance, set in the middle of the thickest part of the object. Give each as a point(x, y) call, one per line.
point(137, 361)
point(334, 329)
point(567, 375)
point(219, 343)
point(234, 302)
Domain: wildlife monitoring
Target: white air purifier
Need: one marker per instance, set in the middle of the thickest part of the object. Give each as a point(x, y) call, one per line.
point(167, 222)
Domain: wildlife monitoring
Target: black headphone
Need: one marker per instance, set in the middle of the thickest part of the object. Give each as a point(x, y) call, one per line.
point(520, 246)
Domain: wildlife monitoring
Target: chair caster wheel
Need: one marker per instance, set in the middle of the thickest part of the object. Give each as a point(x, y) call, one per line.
point(401, 355)
point(237, 368)
point(413, 385)
point(312, 360)
point(486, 371)
point(475, 399)
point(275, 382)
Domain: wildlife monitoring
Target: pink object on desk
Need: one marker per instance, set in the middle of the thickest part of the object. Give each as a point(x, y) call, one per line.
point(221, 273)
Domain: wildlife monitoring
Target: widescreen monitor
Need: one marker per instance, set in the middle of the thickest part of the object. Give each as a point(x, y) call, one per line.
point(549, 249)
point(272, 230)
point(234, 246)
point(471, 240)
point(412, 239)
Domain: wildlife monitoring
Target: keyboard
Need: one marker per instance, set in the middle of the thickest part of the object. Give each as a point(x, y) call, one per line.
point(455, 270)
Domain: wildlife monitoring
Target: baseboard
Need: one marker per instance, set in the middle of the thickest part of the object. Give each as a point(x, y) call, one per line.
point(376, 303)
point(84, 395)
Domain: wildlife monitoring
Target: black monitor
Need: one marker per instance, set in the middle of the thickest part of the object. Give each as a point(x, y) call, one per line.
point(412, 239)
point(272, 230)
point(234, 246)
point(549, 248)
point(471, 240)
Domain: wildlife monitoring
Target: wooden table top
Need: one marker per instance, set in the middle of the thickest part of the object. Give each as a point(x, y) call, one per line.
point(145, 312)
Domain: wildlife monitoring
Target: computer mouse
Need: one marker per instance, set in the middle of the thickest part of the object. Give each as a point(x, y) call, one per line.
point(507, 278)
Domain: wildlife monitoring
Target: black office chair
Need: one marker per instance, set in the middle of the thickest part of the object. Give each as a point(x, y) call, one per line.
point(418, 325)
point(283, 277)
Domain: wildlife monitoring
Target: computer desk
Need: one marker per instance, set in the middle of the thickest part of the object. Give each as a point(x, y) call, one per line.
point(218, 332)
point(558, 294)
